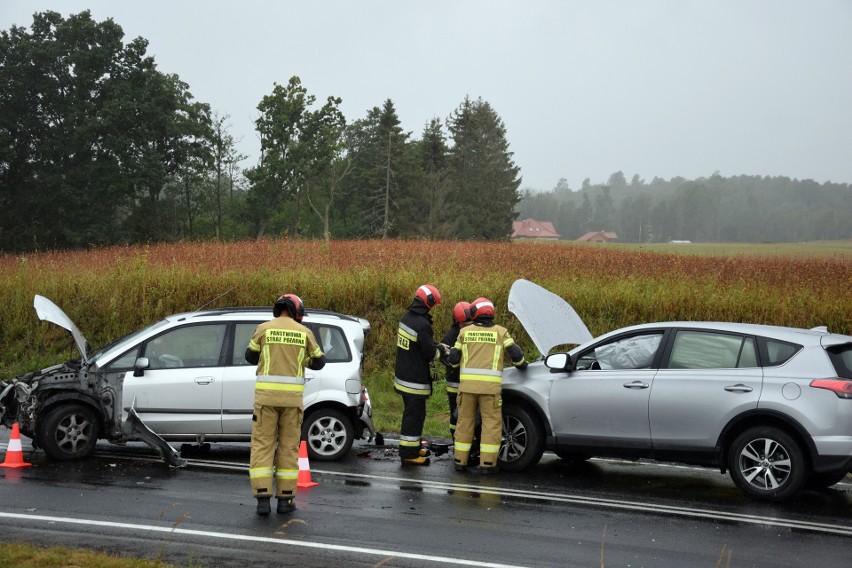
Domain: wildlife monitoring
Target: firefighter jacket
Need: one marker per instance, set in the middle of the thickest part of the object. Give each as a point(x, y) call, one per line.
point(282, 348)
point(452, 374)
point(480, 348)
point(416, 348)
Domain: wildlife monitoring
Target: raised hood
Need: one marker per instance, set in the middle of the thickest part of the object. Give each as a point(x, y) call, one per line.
point(547, 318)
point(48, 311)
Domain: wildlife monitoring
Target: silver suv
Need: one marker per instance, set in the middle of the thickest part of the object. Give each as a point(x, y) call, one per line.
point(771, 405)
point(185, 378)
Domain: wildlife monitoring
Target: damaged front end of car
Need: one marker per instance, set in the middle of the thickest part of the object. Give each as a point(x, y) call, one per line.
point(66, 408)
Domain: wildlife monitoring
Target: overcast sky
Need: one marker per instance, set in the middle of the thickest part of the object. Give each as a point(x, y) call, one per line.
point(658, 88)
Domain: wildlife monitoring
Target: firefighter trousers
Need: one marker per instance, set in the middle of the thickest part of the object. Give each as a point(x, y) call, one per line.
point(413, 417)
point(275, 435)
point(490, 409)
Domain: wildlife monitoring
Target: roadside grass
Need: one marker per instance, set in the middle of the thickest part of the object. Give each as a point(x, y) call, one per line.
point(23, 555)
point(110, 292)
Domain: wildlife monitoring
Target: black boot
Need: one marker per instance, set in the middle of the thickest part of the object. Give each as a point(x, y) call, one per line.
point(263, 507)
point(285, 505)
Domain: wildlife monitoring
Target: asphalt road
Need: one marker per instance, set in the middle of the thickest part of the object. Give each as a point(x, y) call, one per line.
point(369, 511)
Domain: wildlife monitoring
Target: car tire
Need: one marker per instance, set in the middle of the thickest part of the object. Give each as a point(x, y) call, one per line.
point(523, 439)
point(767, 463)
point(329, 434)
point(824, 480)
point(69, 432)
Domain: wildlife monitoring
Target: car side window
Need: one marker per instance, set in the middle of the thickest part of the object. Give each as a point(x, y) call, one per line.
point(332, 342)
point(633, 352)
point(779, 352)
point(186, 347)
point(243, 333)
point(712, 350)
point(124, 362)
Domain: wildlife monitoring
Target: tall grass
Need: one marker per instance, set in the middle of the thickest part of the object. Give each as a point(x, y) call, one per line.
point(112, 291)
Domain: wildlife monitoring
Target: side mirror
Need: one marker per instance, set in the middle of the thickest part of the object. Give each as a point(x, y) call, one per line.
point(140, 365)
point(558, 362)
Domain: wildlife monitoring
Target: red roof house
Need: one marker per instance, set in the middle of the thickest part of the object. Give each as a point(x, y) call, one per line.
point(532, 229)
point(599, 237)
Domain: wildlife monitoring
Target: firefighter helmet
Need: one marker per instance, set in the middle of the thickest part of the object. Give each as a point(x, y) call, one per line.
point(461, 312)
point(292, 303)
point(481, 307)
point(429, 295)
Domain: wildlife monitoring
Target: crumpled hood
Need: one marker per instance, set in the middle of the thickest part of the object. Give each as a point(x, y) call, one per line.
point(547, 318)
point(48, 311)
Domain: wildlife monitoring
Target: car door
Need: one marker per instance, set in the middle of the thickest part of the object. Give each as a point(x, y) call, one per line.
point(180, 393)
point(238, 382)
point(708, 377)
point(603, 403)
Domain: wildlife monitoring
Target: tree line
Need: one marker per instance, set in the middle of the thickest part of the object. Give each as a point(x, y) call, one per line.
point(98, 146)
point(715, 209)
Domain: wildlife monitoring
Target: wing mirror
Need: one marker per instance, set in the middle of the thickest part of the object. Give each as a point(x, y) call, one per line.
point(140, 365)
point(558, 362)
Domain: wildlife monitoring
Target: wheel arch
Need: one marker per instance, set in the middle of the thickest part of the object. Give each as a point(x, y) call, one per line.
point(763, 418)
point(66, 397)
point(514, 397)
point(332, 404)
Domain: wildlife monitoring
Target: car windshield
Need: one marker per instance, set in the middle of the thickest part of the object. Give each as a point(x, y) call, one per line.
point(129, 339)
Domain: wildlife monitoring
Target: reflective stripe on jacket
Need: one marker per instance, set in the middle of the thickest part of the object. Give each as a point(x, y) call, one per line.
point(482, 348)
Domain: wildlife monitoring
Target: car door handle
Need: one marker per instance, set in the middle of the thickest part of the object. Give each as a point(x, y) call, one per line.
point(739, 388)
point(308, 377)
point(636, 385)
point(204, 380)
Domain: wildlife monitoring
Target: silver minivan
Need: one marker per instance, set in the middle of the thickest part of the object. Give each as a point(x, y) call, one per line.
point(185, 378)
point(770, 405)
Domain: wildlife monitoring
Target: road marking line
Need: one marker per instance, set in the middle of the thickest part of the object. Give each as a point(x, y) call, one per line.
point(250, 538)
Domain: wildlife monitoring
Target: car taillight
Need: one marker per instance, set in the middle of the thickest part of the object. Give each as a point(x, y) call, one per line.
point(841, 387)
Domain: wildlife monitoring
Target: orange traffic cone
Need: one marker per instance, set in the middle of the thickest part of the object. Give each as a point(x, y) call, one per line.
point(304, 479)
point(14, 455)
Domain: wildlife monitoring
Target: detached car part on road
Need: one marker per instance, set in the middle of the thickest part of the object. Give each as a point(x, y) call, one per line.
point(185, 378)
point(771, 405)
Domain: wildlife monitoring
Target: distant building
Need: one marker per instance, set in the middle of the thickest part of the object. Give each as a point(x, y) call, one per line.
point(530, 229)
point(599, 237)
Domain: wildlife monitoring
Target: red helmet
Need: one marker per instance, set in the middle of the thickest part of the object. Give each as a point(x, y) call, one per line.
point(481, 307)
point(429, 295)
point(461, 313)
point(292, 303)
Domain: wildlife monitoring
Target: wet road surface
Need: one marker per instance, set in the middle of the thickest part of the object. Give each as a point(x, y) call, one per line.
point(369, 511)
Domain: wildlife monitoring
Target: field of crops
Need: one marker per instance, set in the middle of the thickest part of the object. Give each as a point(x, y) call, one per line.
point(110, 292)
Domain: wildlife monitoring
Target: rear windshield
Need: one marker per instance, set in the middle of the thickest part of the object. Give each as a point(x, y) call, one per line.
point(841, 358)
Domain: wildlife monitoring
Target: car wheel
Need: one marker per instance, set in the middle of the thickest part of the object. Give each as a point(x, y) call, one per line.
point(69, 432)
point(823, 480)
point(523, 439)
point(329, 434)
point(767, 463)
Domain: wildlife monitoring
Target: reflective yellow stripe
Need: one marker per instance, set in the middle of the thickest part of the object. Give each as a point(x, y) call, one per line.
point(489, 448)
point(461, 447)
point(262, 385)
point(452, 389)
point(497, 359)
point(407, 335)
point(287, 474)
point(259, 472)
point(484, 378)
point(508, 341)
point(409, 444)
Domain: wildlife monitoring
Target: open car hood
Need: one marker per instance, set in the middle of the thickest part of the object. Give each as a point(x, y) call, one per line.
point(547, 318)
point(48, 311)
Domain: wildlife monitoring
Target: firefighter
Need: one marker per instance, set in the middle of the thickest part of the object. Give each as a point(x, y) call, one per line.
point(479, 350)
point(280, 348)
point(416, 350)
point(461, 318)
